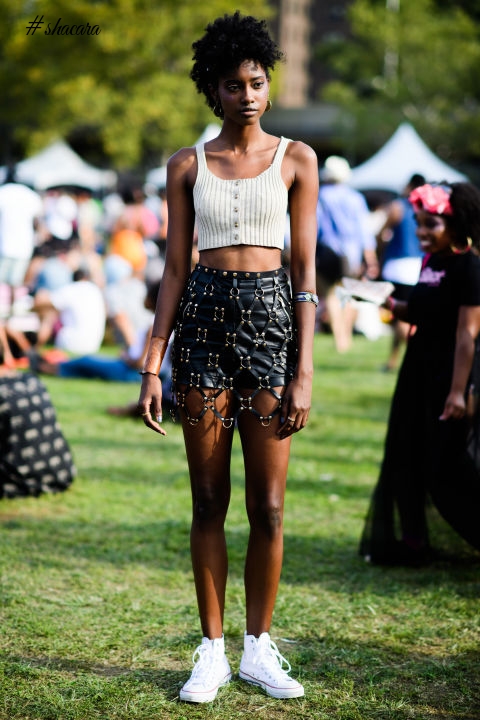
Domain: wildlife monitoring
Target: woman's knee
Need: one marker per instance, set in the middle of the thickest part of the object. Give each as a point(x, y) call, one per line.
point(210, 507)
point(267, 515)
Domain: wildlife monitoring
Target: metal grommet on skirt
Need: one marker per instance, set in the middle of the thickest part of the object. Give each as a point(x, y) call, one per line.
point(234, 331)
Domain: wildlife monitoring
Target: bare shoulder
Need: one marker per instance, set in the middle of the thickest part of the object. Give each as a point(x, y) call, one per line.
point(301, 152)
point(301, 164)
point(182, 159)
point(182, 165)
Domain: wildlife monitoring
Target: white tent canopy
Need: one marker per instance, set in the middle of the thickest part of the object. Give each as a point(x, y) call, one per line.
point(58, 165)
point(158, 176)
point(401, 157)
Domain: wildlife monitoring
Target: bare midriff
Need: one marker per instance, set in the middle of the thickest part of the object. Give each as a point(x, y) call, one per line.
point(244, 258)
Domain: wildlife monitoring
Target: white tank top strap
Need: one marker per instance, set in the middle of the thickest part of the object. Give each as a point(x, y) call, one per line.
point(280, 153)
point(201, 158)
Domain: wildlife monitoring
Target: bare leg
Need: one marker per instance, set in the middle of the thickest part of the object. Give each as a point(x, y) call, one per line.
point(20, 339)
point(399, 338)
point(48, 318)
point(208, 445)
point(266, 463)
point(47, 315)
point(342, 320)
point(5, 347)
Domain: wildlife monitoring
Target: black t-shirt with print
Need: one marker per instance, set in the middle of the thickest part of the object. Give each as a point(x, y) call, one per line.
point(446, 283)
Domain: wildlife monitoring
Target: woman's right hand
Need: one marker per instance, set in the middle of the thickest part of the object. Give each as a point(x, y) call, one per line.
point(455, 406)
point(150, 402)
point(389, 303)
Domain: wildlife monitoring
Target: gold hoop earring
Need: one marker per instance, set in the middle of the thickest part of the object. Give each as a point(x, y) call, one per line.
point(268, 106)
point(218, 110)
point(461, 251)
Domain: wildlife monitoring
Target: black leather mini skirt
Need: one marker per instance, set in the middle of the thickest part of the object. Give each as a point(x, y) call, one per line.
point(234, 331)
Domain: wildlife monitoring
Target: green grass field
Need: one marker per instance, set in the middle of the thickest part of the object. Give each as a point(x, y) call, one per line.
point(97, 605)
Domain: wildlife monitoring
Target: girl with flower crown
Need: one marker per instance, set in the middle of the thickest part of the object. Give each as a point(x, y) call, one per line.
point(426, 461)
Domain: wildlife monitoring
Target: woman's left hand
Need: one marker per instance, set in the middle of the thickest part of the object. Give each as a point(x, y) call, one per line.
point(150, 402)
point(455, 407)
point(295, 408)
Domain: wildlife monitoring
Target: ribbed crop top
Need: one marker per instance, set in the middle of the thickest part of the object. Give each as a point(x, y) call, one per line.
point(248, 211)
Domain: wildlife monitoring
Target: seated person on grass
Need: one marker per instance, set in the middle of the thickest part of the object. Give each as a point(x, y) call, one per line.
point(72, 316)
point(124, 368)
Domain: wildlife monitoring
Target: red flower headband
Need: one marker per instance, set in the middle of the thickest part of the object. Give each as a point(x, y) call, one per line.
point(432, 198)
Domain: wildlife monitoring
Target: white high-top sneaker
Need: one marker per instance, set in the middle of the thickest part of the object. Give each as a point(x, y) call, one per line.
point(261, 665)
point(211, 671)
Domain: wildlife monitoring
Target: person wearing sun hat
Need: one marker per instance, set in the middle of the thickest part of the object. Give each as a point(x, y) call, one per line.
point(346, 245)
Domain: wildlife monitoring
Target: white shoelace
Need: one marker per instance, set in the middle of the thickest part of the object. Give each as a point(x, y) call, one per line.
point(205, 663)
point(270, 656)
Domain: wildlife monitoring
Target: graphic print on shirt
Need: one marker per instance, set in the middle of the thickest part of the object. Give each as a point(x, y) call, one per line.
point(430, 277)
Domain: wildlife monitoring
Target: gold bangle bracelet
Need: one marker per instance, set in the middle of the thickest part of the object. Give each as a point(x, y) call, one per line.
point(156, 352)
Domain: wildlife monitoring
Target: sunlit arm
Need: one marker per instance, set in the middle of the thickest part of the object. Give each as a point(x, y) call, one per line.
point(179, 241)
point(468, 327)
point(303, 231)
point(176, 273)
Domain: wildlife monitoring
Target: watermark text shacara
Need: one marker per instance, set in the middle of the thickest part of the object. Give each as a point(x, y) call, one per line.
point(59, 29)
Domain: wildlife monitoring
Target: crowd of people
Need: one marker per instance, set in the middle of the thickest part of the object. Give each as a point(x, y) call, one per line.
point(227, 319)
point(75, 273)
point(81, 267)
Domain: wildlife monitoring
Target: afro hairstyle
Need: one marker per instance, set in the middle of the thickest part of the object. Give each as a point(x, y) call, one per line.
point(227, 42)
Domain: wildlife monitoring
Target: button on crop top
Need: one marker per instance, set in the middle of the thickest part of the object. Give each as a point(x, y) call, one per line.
point(249, 211)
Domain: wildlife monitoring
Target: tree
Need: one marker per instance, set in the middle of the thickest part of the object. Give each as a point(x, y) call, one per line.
point(413, 60)
point(112, 75)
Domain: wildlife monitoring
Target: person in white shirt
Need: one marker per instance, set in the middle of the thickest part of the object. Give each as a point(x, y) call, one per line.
point(20, 209)
point(74, 316)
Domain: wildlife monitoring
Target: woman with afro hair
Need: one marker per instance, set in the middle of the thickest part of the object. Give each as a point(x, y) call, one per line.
point(243, 338)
